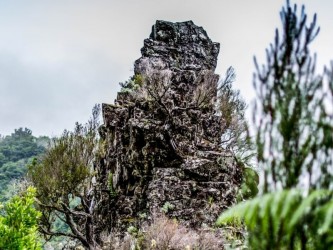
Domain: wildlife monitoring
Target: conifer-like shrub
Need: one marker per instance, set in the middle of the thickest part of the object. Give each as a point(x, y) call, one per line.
point(294, 122)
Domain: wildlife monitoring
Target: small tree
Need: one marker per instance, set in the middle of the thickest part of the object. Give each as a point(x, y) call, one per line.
point(232, 108)
point(235, 136)
point(66, 180)
point(294, 145)
point(19, 222)
point(290, 113)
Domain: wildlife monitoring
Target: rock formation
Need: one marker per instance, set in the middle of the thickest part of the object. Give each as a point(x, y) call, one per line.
point(163, 133)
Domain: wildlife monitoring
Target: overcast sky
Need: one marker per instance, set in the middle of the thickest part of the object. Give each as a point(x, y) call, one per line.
point(59, 58)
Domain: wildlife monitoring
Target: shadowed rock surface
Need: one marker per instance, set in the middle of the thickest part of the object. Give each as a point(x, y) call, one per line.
point(163, 134)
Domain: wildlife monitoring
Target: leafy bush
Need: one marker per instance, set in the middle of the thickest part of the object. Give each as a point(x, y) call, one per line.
point(69, 190)
point(18, 222)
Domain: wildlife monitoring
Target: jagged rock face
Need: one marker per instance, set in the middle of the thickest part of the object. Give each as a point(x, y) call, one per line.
point(183, 46)
point(163, 137)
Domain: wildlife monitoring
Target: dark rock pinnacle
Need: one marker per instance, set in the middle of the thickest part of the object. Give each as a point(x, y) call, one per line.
point(163, 134)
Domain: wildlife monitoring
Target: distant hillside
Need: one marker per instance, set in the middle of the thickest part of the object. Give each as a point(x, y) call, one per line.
point(16, 151)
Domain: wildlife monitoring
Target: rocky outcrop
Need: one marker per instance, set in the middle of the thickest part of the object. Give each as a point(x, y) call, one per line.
point(163, 134)
point(182, 46)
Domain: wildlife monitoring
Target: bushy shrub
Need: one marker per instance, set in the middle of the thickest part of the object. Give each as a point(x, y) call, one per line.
point(18, 222)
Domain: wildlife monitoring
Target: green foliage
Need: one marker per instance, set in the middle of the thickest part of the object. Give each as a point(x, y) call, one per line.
point(18, 222)
point(19, 145)
point(292, 139)
point(16, 151)
point(63, 167)
point(12, 170)
point(294, 145)
point(286, 220)
point(167, 207)
point(134, 83)
point(15, 187)
point(249, 187)
point(69, 192)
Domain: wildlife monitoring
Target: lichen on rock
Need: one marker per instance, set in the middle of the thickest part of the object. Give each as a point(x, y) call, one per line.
point(163, 136)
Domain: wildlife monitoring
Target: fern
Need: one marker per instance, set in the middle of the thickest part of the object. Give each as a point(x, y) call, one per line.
point(286, 220)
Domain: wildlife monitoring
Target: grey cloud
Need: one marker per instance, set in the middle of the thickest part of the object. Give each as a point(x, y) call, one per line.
point(59, 58)
point(52, 99)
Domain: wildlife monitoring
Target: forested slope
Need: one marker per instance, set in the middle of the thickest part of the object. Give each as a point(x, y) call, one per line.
point(16, 151)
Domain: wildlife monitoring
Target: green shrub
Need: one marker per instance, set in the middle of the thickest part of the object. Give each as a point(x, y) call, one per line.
point(18, 222)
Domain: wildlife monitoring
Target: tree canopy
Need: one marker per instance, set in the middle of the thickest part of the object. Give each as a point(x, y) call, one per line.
point(16, 151)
